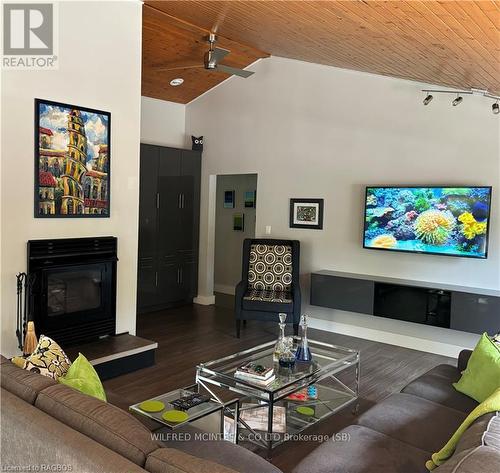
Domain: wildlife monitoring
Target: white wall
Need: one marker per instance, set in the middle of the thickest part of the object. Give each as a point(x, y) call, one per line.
point(163, 123)
point(316, 131)
point(228, 242)
point(99, 67)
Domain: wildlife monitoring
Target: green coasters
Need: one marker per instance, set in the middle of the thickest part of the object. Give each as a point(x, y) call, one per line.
point(151, 406)
point(305, 411)
point(175, 416)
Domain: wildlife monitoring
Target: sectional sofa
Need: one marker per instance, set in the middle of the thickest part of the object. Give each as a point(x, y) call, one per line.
point(45, 423)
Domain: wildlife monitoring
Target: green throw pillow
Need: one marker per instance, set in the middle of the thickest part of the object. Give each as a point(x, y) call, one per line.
point(83, 377)
point(482, 375)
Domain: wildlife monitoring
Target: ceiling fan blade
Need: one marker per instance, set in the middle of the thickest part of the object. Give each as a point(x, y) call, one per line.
point(175, 68)
point(234, 71)
point(220, 53)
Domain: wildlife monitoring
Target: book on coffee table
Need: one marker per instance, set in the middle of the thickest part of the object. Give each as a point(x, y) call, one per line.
point(258, 382)
point(255, 371)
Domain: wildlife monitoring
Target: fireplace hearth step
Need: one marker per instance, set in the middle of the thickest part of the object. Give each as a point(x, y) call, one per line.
point(116, 355)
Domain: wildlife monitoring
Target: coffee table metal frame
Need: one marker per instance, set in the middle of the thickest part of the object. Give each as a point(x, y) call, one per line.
point(329, 361)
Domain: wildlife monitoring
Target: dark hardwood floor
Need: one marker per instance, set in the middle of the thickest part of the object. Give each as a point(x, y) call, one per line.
point(189, 335)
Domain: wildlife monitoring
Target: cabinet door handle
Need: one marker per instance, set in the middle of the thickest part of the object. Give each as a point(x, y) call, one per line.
point(182, 201)
point(178, 275)
point(179, 201)
point(157, 200)
point(156, 278)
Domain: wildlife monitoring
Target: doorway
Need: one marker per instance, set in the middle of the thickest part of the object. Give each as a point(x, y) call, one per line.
point(235, 217)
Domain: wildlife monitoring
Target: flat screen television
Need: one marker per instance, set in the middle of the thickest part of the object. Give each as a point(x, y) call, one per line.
point(450, 221)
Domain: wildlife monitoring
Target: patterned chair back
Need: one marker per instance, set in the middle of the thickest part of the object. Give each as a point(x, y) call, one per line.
point(270, 267)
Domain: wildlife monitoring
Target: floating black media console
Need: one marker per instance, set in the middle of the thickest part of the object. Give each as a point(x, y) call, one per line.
point(449, 306)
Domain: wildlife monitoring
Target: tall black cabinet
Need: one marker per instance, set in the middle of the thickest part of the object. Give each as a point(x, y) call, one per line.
point(169, 207)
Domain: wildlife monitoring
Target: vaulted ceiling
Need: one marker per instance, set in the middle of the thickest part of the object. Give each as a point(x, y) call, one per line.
point(449, 43)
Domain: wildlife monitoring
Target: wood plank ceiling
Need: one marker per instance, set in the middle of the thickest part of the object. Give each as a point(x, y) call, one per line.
point(449, 43)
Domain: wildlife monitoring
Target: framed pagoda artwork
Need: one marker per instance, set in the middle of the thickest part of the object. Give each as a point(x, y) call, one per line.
point(72, 161)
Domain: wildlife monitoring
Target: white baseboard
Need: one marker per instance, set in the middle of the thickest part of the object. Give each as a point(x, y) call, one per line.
point(224, 289)
point(204, 300)
point(398, 339)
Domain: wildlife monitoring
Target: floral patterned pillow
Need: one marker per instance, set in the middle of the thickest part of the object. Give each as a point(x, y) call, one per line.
point(48, 359)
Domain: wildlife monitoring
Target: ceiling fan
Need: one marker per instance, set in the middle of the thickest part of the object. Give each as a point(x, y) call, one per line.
point(211, 61)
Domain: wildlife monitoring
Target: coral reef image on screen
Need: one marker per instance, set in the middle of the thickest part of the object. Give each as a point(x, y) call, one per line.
point(440, 220)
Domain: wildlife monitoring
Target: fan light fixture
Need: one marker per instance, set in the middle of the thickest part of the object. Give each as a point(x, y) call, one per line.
point(176, 82)
point(495, 108)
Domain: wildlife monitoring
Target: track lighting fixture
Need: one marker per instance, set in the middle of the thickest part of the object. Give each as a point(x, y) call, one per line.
point(495, 108)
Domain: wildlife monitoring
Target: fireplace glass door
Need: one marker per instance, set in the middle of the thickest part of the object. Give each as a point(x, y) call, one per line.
point(75, 295)
point(74, 290)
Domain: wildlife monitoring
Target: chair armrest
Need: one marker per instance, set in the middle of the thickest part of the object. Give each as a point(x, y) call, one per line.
point(463, 359)
point(239, 292)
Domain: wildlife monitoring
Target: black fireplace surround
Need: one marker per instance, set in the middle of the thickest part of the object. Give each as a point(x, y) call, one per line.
point(73, 298)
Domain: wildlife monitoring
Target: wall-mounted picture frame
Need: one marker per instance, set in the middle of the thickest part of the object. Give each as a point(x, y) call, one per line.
point(250, 199)
point(239, 222)
point(72, 161)
point(229, 199)
point(306, 213)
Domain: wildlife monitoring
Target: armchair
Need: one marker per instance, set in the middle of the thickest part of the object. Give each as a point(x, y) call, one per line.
point(270, 282)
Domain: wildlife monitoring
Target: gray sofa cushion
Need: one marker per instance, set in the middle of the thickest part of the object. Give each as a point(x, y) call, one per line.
point(22, 383)
point(171, 460)
point(475, 434)
point(436, 385)
point(476, 460)
point(413, 420)
point(364, 451)
point(219, 451)
point(106, 424)
point(32, 440)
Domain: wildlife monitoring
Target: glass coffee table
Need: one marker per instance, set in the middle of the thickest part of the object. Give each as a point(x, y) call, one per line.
point(266, 416)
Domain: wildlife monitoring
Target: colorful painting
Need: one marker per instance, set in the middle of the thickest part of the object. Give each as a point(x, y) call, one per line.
point(72, 161)
point(306, 213)
point(250, 199)
point(229, 199)
point(239, 222)
point(439, 220)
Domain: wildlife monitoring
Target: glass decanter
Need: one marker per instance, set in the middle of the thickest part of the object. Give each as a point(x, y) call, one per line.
point(281, 344)
point(303, 352)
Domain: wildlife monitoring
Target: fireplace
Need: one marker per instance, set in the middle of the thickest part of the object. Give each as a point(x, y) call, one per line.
point(73, 296)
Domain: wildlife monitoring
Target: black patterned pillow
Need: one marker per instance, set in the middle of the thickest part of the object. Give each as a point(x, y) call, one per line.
point(270, 267)
point(48, 359)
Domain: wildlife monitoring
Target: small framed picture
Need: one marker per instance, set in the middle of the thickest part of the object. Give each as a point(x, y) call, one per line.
point(239, 222)
point(250, 199)
point(306, 213)
point(229, 199)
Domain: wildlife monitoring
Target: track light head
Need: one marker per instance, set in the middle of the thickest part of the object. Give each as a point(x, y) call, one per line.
point(428, 99)
point(495, 108)
point(457, 101)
